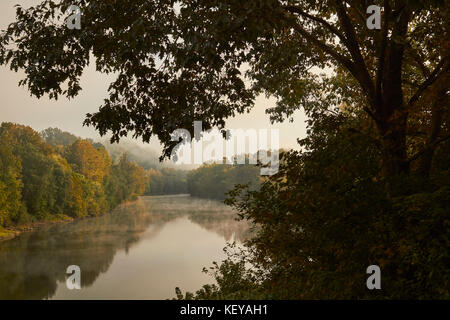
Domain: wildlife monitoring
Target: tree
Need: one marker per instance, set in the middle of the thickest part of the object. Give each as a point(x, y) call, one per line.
point(166, 181)
point(10, 183)
point(125, 182)
point(38, 164)
point(326, 216)
point(87, 198)
point(133, 178)
point(56, 137)
point(215, 180)
point(156, 183)
point(85, 159)
point(184, 62)
point(36, 183)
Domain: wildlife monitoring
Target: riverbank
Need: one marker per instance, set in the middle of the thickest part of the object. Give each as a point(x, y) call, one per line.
point(11, 232)
point(172, 236)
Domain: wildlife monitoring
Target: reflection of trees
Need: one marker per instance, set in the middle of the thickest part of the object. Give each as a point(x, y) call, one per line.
point(32, 264)
point(209, 214)
point(224, 225)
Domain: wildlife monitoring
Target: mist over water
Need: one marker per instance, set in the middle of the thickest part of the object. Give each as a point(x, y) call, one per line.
point(142, 250)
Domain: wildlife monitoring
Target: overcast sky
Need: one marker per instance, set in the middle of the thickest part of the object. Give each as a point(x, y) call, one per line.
point(17, 106)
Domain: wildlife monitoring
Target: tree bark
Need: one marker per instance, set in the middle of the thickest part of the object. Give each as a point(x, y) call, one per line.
point(426, 160)
point(390, 110)
point(393, 144)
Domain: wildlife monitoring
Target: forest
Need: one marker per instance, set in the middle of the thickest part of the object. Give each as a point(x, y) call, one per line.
point(55, 175)
point(214, 181)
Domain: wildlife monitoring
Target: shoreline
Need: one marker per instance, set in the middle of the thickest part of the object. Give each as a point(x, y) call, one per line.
point(10, 233)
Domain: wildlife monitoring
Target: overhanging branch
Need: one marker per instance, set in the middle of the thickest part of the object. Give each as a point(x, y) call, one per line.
point(429, 147)
point(333, 29)
point(430, 80)
point(345, 61)
point(382, 53)
point(352, 45)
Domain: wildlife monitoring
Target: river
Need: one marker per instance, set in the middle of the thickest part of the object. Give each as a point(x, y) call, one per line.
point(141, 250)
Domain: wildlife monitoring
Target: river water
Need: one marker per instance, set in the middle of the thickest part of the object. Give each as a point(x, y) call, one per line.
point(142, 250)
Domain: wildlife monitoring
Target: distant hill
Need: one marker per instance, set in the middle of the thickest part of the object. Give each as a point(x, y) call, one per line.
point(144, 156)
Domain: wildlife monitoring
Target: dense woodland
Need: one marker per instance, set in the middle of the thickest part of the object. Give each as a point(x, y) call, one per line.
point(55, 174)
point(214, 181)
point(371, 184)
point(166, 181)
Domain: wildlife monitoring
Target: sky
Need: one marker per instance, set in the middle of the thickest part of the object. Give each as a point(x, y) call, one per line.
point(16, 104)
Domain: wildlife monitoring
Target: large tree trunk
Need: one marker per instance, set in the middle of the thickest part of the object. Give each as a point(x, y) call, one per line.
point(392, 118)
point(426, 159)
point(393, 144)
point(390, 112)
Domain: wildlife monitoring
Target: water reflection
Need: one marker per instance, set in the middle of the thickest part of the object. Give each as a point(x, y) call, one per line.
point(140, 251)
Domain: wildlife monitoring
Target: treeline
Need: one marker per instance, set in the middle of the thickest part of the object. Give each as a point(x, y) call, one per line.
point(166, 181)
point(210, 181)
point(56, 174)
point(145, 156)
point(213, 181)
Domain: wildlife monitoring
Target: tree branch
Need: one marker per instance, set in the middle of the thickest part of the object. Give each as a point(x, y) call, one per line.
point(343, 60)
point(357, 9)
point(419, 60)
point(333, 29)
point(430, 80)
point(352, 45)
point(382, 53)
point(429, 147)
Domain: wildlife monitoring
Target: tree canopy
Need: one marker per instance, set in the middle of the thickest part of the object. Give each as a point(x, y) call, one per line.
point(180, 61)
point(43, 182)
